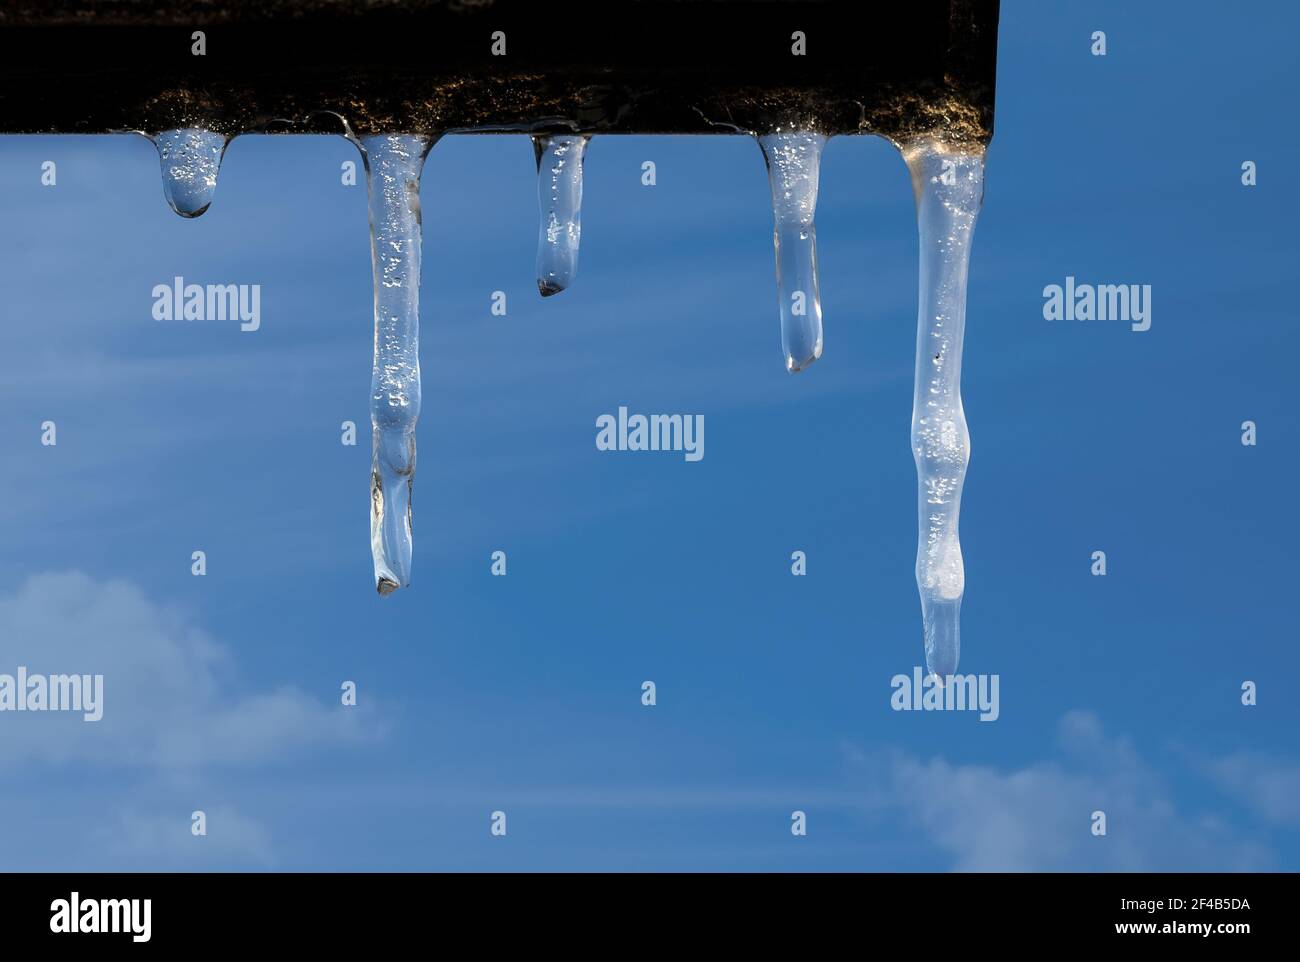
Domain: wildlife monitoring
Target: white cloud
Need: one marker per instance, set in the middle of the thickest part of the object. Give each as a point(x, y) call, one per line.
point(1038, 818)
point(171, 698)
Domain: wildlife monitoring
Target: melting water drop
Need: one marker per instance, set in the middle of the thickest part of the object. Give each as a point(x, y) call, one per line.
point(190, 158)
point(949, 187)
point(793, 165)
point(559, 196)
point(393, 163)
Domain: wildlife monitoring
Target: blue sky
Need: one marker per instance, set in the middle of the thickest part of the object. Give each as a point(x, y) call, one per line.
point(522, 693)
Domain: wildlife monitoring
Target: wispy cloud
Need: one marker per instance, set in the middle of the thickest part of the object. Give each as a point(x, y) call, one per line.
point(166, 838)
point(172, 698)
point(1039, 817)
point(1267, 785)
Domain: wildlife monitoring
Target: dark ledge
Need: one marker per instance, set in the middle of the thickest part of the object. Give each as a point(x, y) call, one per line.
point(902, 70)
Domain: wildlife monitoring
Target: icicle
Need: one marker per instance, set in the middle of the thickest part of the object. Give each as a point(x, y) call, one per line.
point(393, 164)
point(793, 165)
point(949, 187)
point(559, 195)
point(190, 158)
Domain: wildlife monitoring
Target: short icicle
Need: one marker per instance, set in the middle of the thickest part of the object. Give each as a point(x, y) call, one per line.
point(949, 188)
point(793, 168)
point(393, 163)
point(190, 159)
point(559, 197)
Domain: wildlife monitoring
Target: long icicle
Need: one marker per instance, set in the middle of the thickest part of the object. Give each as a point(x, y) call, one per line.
point(191, 159)
point(393, 163)
point(949, 188)
point(793, 169)
point(559, 199)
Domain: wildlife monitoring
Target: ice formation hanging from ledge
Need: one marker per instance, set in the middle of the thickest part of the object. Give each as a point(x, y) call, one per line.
point(948, 184)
